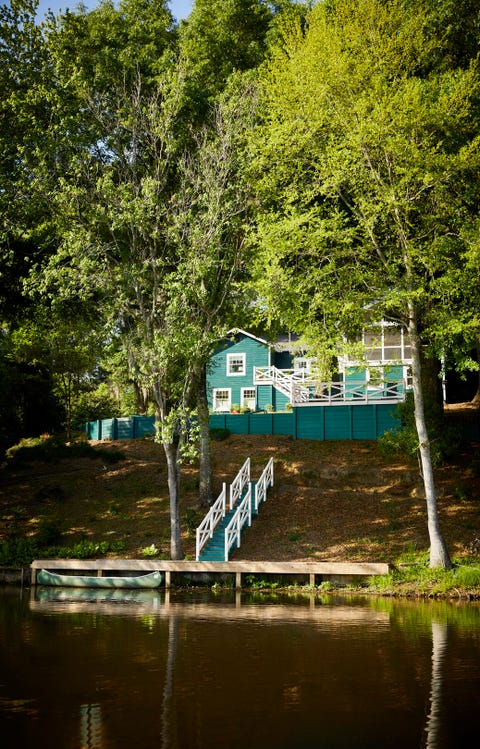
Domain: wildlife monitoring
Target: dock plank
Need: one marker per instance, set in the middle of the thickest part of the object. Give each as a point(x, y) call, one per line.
point(335, 569)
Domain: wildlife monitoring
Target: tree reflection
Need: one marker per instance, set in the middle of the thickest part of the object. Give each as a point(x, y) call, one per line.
point(167, 724)
point(439, 648)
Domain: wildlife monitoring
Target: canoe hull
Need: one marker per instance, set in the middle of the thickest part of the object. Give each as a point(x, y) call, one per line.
point(152, 580)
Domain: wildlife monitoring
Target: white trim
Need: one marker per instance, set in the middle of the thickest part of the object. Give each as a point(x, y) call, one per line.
point(236, 331)
point(243, 358)
point(228, 404)
point(254, 398)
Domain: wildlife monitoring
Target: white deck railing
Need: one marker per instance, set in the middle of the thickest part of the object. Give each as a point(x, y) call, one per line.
point(302, 390)
point(263, 484)
point(243, 514)
point(206, 528)
point(348, 393)
point(239, 483)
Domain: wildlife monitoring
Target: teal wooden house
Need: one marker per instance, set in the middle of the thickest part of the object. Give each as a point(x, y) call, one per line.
point(240, 373)
point(249, 373)
point(276, 389)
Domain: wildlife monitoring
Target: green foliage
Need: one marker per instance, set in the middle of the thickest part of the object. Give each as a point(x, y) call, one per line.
point(20, 552)
point(220, 38)
point(191, 520)
point(151, 552)
point(219, 434)
point(95, 405)
point(445, 438)
point(51, 449)
point(49, 533)
point(413, 573)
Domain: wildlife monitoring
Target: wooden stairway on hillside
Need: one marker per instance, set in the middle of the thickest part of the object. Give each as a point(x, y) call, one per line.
point(220, 531)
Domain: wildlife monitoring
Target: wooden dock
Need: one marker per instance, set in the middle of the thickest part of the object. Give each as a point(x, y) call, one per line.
point(312, 573)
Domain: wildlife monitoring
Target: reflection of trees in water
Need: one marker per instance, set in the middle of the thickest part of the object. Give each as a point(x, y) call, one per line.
point(91, 727)
point(169, 725)
point(439, 648)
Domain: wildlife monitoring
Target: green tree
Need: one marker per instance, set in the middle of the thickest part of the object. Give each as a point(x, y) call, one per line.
point(151, 231)
point(368, 172)
point(222, 37)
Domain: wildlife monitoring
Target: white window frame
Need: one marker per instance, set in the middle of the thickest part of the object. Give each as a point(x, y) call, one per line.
point(230, 358)
point(227, 403)
point(303, 363)
point(246, 401)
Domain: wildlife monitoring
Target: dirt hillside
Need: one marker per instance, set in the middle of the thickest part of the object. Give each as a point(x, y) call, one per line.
point(331, 500)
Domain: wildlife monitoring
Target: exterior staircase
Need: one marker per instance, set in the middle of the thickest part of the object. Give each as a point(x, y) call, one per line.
point(294, 383)
point(214, 550)
point(220, 531)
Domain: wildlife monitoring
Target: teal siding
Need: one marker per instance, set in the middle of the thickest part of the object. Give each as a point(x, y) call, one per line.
point(355, 374)
point(364, 423)
point(125, 428)
point(265, 397)
point(255, 423)
point(349, 422)
point(256, 355)
point(393, 373)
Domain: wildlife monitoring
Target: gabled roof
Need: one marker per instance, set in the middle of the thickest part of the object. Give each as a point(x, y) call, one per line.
point(284, 342)
point(236, 331)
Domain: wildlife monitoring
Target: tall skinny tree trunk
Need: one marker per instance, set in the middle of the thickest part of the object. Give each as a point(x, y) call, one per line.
point(176, 551)
point(173, 474)
point(439, 556)
point(205, 473)
point(476, 397)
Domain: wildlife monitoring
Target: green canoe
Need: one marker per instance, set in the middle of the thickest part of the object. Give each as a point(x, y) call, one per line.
point(151, 580)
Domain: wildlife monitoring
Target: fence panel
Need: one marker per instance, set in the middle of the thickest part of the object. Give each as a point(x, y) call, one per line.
point(366, 421)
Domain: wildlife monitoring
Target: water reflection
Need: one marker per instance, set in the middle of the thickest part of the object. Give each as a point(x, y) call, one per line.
point(167, 727)
point(193, 670)
point(91, 727)
point(439, 648)
point(231, 607)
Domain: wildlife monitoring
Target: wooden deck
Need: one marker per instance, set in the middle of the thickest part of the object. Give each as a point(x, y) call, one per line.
point(315, 572)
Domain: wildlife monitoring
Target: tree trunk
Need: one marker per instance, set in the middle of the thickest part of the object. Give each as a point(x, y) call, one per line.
point(205, 472)
point(476, 397)
point(176, 551)
point(173, 475)
point(439, 556)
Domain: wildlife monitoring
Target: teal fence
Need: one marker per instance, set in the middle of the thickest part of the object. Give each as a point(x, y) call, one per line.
point(361, 422)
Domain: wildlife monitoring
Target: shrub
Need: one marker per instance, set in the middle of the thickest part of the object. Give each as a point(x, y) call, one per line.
point(49, 533)
point(445, 438)
point(219, 434)
point(20, 552)
point(51, 449)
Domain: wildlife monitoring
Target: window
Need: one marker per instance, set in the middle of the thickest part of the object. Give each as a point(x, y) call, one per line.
point(249, 399)
point(221, 399)
point(236, 364)
point(304, 363)
point(386, 343)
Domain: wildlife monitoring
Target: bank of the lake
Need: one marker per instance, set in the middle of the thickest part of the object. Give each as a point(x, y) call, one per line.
point(331, 501)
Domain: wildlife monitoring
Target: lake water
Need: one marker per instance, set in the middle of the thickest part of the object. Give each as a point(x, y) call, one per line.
point(198, 670)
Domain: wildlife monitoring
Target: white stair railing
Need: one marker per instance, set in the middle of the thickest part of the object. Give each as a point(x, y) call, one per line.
point(239, 483)
point(206, 528)
point(243, 514)
point(264, 482)
point(284, 380)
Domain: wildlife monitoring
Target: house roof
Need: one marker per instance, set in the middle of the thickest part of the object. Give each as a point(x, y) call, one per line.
point(283, 342)
point(236, 331)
